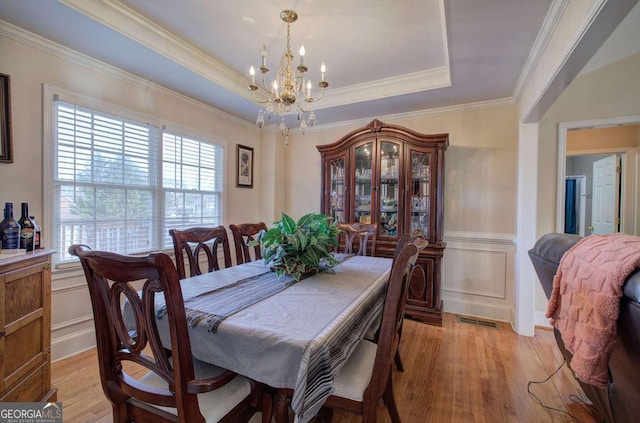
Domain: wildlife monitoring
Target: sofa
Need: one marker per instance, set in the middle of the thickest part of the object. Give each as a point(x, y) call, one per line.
point(619, 401)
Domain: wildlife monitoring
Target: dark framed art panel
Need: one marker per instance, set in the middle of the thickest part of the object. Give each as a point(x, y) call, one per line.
point(244, 167)
point(6, 143)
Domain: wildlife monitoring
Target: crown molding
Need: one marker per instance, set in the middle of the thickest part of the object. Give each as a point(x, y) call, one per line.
point(136, 27)
point(33, 40)
point(551, 21)
point(388, 87)
point(479, 105)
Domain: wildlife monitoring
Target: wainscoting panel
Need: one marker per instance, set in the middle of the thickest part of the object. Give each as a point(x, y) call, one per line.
point(477, 280)
point(72, 329)
point(478, 277)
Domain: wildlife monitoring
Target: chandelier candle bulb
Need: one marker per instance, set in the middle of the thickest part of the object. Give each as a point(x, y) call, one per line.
point(323, 69)
point(285, 94)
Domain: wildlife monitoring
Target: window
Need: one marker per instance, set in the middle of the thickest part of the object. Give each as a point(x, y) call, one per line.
point(192, 182)
point(115, 189)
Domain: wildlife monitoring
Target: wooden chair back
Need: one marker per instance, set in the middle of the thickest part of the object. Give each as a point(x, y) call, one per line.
point(420, 242)
point(403, 241)
point(194, 242)
point(380, 383)
point(110, 277)
point(391, 324)
point(243, 233)
point(362, 232)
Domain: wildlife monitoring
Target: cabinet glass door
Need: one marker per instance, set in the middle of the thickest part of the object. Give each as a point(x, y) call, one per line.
point(337, 189)
point(362, 192)
point(420, 191)
point(389, 189)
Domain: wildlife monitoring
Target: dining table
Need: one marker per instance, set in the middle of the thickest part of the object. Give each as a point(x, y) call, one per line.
point(281, 332)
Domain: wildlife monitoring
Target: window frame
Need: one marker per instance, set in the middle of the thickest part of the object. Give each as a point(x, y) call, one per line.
point(51, 94)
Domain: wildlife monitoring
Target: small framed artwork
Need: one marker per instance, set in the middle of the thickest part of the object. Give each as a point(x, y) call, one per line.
point(6, 146)
point(244, 176)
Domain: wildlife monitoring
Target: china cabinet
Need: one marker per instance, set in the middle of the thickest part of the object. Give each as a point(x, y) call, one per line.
point(25, 328)
point(392, 176)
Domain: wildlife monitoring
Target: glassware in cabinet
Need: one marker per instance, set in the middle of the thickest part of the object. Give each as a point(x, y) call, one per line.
point(337, 192)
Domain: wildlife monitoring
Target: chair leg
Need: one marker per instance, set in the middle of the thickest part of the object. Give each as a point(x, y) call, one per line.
point(390, 401)
point(398, 360)
point(281, 411)
point(267, 406)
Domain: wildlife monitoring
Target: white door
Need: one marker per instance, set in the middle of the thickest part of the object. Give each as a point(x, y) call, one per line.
point(606, 195)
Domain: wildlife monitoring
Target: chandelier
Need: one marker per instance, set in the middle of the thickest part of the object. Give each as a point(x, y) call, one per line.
point(289, 92)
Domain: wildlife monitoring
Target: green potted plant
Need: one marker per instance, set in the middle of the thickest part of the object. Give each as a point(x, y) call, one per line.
point(302, 247)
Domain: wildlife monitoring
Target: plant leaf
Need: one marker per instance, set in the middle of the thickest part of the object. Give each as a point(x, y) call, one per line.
point(289, 225)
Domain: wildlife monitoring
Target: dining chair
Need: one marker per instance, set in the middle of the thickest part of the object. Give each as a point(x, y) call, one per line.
point(416, 238)
point(363, 232)
point(403, 241)
point(243, 233)
point(176, 387)
point(366, 377)
point(193, 242)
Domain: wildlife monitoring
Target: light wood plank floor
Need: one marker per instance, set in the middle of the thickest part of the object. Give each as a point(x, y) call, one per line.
point(457, 373)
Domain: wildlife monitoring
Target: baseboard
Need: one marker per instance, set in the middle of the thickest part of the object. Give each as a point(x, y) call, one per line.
point(541, 321)
point(475, 309)
point(72, 344)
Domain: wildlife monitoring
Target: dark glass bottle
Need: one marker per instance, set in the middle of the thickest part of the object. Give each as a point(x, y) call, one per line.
point(27, 229)
point(38, 235)
point(9, 229)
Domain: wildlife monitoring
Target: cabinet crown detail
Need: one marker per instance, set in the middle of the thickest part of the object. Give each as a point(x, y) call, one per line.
point(394, 177)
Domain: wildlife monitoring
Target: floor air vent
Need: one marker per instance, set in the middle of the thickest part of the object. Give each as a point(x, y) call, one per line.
point(472, 321)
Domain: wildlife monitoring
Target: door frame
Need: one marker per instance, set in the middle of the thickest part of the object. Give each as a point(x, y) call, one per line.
point(629, 222)
point(583, 202)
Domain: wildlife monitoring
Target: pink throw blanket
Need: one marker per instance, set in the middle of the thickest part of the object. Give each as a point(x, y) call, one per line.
point(585, 301)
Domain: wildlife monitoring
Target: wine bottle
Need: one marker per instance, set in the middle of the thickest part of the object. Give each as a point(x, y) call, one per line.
point(27, 229)
point(37, 240)
point(9, 229)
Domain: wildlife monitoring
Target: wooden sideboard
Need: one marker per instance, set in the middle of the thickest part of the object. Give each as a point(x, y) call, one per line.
point(25, 328)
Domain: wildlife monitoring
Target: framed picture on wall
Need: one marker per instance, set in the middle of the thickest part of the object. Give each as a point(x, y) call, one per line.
point(244, 171)
point(6, 146)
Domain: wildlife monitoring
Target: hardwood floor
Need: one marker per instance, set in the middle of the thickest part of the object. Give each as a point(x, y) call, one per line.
point(457, 373)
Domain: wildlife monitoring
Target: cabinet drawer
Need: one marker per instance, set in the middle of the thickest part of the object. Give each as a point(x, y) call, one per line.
point(30, 388)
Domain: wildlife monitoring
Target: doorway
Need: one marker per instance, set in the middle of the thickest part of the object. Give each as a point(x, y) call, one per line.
point(592, 194)
point(628, 150)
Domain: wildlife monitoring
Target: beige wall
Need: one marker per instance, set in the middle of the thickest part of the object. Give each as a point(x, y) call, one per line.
point(480, 175)
point(603, 138)
point(30, 68)
point(480, 166)
point(609, 92)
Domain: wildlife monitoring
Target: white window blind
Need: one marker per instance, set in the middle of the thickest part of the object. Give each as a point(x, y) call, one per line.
point(108, 193)
point(105, 182)
point(192, 181)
